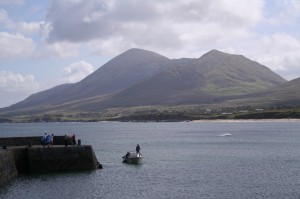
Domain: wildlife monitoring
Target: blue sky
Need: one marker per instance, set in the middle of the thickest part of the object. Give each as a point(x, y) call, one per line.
point(47, 43)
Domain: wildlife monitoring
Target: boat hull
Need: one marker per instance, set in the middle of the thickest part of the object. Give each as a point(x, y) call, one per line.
point(133, 158)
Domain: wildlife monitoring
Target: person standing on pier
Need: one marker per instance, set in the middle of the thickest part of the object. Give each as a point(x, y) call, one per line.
point(48, 140)
point(52, 138)
point(44, 140)
point(66, 140)
point(73, 139)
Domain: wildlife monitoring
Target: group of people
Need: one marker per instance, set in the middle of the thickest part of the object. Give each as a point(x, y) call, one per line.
point(70, 139)
point(47, 140)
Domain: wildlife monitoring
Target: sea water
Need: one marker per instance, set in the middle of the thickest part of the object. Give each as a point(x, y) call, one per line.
point(181, 160)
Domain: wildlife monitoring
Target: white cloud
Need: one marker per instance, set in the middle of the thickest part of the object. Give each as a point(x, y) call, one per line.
point(226, 13)
point(290, 10)
point(28, 28)
point(156, 25)
point(15, 87)
point(76, 72)
point(61, 50)
point(5, 21)
point(282, 12)
point(281, 53)
point(10, 81)
point(110, 27)
point(15, 45)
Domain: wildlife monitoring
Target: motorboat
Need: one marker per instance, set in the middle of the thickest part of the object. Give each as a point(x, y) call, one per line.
point(132, 158)
point(225, 134)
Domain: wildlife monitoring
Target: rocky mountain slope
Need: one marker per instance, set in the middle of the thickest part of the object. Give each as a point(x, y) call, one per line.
point(281, 96)
point(139, 77)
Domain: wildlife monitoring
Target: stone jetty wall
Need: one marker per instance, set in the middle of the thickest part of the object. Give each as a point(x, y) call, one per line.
point(20, 155)
point(7, 166)
point(61, 159)
point(18, 159)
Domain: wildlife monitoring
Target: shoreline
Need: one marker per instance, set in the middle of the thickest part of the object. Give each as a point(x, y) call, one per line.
point(177, 120)
point(208, 120)
point(248, 120)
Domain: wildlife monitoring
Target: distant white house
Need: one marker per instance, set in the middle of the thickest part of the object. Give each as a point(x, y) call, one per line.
point(226, 113)
point(208, 110)
point(259, 109)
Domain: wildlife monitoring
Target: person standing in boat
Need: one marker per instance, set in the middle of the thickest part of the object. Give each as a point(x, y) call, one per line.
point(138, 148)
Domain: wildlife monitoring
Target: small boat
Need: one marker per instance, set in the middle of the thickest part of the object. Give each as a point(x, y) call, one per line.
point(225, 134)
point(132, 158)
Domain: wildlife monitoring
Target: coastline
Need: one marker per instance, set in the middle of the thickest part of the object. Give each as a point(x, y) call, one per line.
point(248, 120)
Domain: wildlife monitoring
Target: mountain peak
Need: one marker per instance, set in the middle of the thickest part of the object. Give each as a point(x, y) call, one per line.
point(141, 52)
point(215, 52)
point(136, 50)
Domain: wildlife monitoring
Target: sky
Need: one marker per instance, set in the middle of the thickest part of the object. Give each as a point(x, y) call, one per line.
point(47, 43)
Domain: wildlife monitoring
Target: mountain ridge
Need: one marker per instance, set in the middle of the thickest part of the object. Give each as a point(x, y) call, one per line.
point(139, 77)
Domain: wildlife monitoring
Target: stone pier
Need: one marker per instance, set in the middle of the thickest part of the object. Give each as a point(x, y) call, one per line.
point(27, 155)
point(8, 168)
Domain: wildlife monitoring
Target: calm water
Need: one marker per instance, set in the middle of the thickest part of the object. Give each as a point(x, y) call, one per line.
point(182, 160)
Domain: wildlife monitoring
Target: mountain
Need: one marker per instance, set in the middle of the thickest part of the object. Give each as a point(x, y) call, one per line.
point(283, 95)
point(225, 71)
point(214, 77)
point(140, 77)
point(129, 68)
